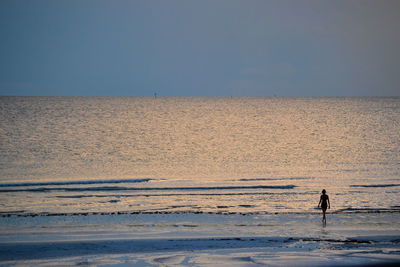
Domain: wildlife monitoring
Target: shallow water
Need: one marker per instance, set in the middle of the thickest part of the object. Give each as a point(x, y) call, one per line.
point(93, 154)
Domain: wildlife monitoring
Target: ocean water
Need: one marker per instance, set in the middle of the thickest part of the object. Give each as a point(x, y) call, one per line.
point(77, 155)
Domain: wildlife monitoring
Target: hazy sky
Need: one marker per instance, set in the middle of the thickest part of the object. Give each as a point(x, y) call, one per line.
point(200, 48)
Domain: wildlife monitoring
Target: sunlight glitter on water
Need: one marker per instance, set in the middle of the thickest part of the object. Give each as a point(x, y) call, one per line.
point(294, 146)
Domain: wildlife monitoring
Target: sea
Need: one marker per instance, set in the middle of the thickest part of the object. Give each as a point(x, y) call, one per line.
point(122, 155)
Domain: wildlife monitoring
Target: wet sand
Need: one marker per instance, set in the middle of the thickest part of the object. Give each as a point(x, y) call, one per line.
point(191, 239)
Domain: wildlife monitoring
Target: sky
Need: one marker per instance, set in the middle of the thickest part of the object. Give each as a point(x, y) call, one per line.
point(200, 48)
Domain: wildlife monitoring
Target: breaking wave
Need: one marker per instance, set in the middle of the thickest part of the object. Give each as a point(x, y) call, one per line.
point(120, 188)
point(274, 179)
point(143, 180)
point(374, 185)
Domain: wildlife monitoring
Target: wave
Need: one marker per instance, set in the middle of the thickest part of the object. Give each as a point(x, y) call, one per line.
point(274, 179)
point(167, 211)
point(368, 210)
point(118, 188)
point(374, 185)
point(182, 194)
point(143, 180)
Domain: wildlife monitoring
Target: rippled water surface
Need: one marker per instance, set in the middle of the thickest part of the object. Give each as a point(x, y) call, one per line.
point(88, 154)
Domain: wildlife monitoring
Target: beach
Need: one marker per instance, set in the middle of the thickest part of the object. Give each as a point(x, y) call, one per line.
point(202, 239)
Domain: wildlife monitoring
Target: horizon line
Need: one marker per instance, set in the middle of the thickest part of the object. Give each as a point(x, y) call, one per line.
point(208, 96)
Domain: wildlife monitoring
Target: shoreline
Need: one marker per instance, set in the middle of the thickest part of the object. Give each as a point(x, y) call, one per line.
point(89, 213)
